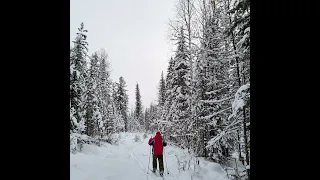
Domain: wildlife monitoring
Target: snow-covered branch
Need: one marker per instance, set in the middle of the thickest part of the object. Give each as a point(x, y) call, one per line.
point(242, 99)
point(178, 135)
point(214, 114)
point(215, 91)
point(216, 101)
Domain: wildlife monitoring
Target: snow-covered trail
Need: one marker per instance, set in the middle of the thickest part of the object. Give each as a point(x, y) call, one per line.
point(129, 161)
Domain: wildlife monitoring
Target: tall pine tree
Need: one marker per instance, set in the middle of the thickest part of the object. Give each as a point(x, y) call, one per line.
point(138, 107)
point(94, 121)
point(105, 91)
point(78, 68)
point(118, 121)
point(122, 101)
point(179, 91)
point(161, 93)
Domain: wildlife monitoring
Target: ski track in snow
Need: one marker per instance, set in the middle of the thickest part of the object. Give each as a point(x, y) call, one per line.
point(129, 161)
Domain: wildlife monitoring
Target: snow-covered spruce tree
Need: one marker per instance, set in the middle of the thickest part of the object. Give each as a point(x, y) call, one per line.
point(118, 122)
point(200, 109)
point(133, 122)
point(94, 121)
point(186, 18)
point(180, 111)
point(104, 87)
point(122, 101)
point(218, 89)
point(78, 68)
point(110, 123)
point(161, 91)
point(152, 118)
point(161, 109)
point(138, 112)
point(73, 119)
point(164, 112)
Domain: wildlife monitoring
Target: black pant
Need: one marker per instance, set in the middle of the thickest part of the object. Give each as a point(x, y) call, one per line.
point(160, 160)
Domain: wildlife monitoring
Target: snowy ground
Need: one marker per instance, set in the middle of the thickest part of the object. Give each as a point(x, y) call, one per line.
point(129, 161)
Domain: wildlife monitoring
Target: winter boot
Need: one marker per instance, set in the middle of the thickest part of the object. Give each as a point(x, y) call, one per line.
point(154, 170)
point(161, 173)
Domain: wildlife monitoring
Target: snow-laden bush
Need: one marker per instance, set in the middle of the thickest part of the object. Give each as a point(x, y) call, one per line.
point(76, 142)
point(73, 143)
point(235, 169)
point(145, 135)
point(112, 139)
point(183, 161)
point(136, 138)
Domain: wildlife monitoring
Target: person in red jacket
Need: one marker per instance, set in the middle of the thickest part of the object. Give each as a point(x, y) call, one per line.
point(158, 143)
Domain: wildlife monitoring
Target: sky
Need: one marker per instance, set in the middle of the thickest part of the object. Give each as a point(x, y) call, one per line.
point(134, 33)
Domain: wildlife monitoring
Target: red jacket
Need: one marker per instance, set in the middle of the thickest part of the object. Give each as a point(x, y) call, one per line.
point(158, 144)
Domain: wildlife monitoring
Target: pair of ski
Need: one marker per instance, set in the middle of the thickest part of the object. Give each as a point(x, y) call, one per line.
point(156, 174)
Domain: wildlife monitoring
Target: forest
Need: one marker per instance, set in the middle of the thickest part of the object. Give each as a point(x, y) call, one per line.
point(203, 100)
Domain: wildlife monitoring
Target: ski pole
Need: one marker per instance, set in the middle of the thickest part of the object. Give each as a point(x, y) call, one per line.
point(166, 160)
point(165, 157)
point(149, 159)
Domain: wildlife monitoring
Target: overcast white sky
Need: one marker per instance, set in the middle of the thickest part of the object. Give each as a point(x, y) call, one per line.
point(134, 33)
